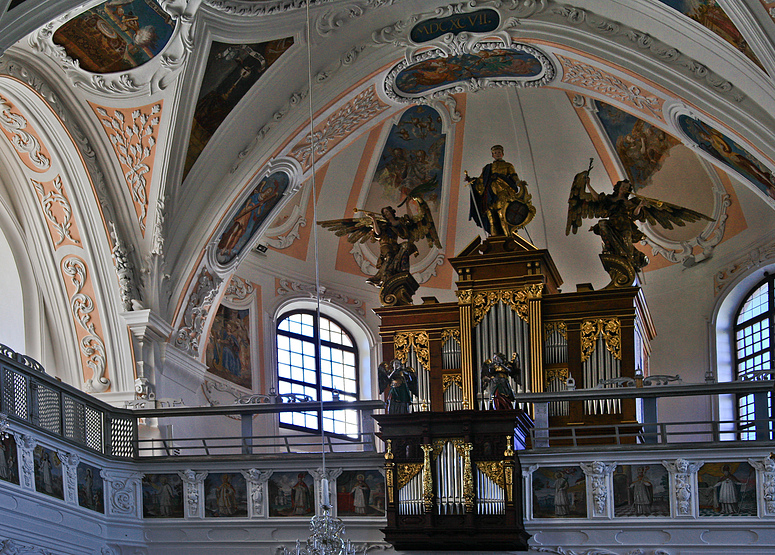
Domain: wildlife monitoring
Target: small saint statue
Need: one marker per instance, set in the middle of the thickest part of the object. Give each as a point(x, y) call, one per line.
point(399, 382)
point(497, 373)
point(500, 202)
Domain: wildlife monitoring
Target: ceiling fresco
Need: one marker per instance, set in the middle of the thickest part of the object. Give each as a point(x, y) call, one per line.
point(710, 14)
point(117, 35)
point(232, 69)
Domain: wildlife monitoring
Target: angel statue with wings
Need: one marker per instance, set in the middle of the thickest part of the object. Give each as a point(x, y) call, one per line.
point(497, 373)
point(618, 213)
point(397, 236)
point(400, 383)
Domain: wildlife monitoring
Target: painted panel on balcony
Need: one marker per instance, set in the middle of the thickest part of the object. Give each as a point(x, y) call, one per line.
point(360, 493)
point(9, 467)
point(727, 489)
point(291, 494)
point(641, 490)
point(162, 496)
point(226, 495)
point(116, 36)
point(559, 492)
point(228, 349)
point(48, 472)
point(90, 488)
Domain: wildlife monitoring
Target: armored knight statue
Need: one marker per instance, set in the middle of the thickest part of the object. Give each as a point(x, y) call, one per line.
point(400, 383)
point(618, 213)
point(500, 202)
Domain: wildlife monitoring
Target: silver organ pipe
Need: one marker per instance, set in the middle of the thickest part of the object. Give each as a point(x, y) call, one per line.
point(449, 481)
point(423, 380)
point(410, 499)
point(501, 330)
point(453, 397)
point(490, 496)
point(450, 354)
point(601, 365)
point(556, 353)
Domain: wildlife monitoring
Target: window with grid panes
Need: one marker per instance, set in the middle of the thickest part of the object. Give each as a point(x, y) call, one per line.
point(331, 372)
point(753, 344)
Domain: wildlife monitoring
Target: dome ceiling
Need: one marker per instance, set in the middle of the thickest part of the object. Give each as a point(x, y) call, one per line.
point(198, 117)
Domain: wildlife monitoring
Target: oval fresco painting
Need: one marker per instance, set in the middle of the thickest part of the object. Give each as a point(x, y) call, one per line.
point(437, 73)
point(118, 35)
point(729, 153)
point(251, 214)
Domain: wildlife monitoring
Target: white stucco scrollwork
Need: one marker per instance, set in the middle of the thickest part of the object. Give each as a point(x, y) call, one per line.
point(598, 474)
point(193, 481)
point(682, 474)
point(257, 480)
point(27, 445)
point(766, 470)
point(24, 142)
point(13, 547)
point(123, 491)
point(200, 302)
point(70, 475)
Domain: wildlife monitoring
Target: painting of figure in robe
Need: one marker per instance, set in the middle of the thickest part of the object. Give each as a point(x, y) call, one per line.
point(90, 488)
point(251, 214)
point(360, 493)
point(48, 472)
point(162, 496)
point(117, 35)
point(226, 495)
point(641, 490)
point(291, 494)
point(228, 350)
point(9, 466)
point(559, 492)
point(727, 489)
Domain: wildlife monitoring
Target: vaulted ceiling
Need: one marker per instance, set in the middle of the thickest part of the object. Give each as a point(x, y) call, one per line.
point(136, 134)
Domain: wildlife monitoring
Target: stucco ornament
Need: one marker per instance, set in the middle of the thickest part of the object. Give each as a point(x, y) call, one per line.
point(193, 480)
point(27, 446)
point(683, 472)
point(597, 473)
point(70, 467)
point(123, 490)
point(766, 469)
point(257, 480)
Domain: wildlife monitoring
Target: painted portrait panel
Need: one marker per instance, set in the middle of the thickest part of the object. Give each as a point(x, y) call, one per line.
point(727, 489)
point(226, 495)
point(116, 36)
point(291, 494)
point(228, 350)
point(232, 69)
point(162, 496)
point(9, 460)
point(641, 147)
point(641, 490)
point(712, 16)
point(90, 488)
point(559, 492)
point(728, 152)
point(48, 472)
point(360, 493)
point(437, 73)
point(250, 215)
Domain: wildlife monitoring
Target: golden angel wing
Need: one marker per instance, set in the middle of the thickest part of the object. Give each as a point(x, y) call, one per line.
point(581, 204)
point(665, 214)
point(356, 229)
point(424, 227)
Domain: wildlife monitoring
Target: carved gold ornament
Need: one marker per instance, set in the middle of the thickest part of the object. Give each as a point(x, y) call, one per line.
point(556, 374)
point(516, 299)
point(449, 379)
point(450, 333)
point(406, 472)
point(494, 471)
point(610, 329)
point(427, 478)
point(559, 327)
point(464, 296)
point(403, 341)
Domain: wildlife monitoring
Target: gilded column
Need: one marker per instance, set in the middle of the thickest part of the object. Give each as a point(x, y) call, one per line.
point(468, 478)
point(466, 346)
point(535, 321)
point(390, 468)
point(427, 478)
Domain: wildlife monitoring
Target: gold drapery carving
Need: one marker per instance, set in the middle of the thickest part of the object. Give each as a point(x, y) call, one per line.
point(450, 333)
point(560, 327)
point(403, 341)
point(494, 471)
point(407, 471)
point(449, 379)
point(610, 329)
point(516, 299)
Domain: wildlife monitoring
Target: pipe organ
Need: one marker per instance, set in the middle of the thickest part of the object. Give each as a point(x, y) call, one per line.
point(509, 302)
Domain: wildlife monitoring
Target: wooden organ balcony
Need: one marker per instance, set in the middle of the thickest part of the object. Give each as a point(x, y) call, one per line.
point(509, 301)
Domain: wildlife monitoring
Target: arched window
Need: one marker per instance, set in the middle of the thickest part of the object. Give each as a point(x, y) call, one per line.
point(330, 372)
point(753, 348)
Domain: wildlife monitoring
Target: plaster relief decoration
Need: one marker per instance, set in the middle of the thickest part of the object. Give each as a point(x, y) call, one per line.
point(729, 153)
point(232, 69)
point(710, 14)
point(122, 492)
point(331, 475)
point(683, 472)
point(197, 309)
point(641, 490)
point(597, 474)
point(257, 485)
point(133, 134)
point(121, 46)
point(766, 469)
point(770, 7)
point(58, 212)
point(48, 472)
point(228, 347)
point(23, 138)
point(162, 496)
point(286, 287)
point(559, 492)
point(226, 495)
point(13, 547)
point(70, 475)
point(338, 126)
point(285, 228)
point(752, 259)
point(91, 488)
point(411, 164)
point(9, 459)
point(250, 216)
point(437, 73)
point(124, 270)
point(727, 489)
point(27, 446)
point(238, 290)
point(88, 327)
point(192, 481)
